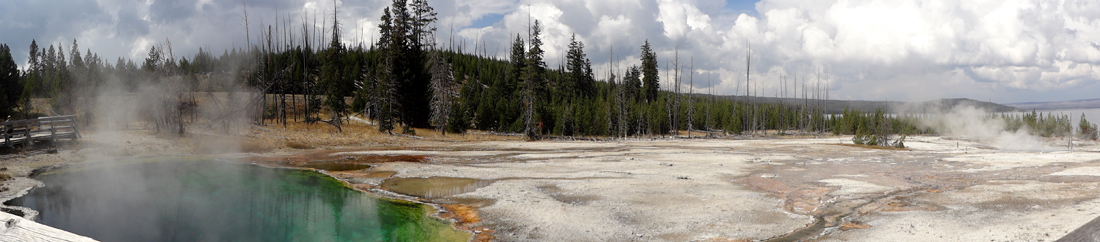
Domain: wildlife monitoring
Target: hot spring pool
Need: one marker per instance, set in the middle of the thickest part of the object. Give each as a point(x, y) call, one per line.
point(204, 200)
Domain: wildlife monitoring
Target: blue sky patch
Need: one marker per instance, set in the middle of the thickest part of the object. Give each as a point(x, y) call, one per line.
point(487, 20)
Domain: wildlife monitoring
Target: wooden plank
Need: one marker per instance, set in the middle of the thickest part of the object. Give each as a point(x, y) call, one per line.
point(14, 140)
point(15, 228)
point(1088, 232)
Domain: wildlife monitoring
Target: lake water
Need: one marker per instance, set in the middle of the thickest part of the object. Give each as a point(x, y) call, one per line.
point(202, 200)
point(1091, 114)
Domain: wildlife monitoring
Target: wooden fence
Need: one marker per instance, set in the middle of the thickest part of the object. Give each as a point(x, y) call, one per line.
point(29, 131)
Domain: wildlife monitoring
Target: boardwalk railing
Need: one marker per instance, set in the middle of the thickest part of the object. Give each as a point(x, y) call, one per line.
point(29, 131)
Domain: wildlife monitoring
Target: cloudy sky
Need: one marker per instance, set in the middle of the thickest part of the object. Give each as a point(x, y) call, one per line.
point(1004, 50)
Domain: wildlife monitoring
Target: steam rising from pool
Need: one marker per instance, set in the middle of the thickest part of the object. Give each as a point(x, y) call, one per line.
point(974, 123)
point(201, 200)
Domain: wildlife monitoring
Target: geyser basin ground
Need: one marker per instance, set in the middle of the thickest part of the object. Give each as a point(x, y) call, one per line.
point(942, 189)
point(202, 200)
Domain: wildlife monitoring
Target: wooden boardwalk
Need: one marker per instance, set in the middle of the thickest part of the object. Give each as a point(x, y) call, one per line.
point(27, 132)
point(15, 228)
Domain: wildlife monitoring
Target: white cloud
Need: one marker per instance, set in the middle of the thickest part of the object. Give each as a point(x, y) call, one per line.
point(681, 17)
point(867, 49)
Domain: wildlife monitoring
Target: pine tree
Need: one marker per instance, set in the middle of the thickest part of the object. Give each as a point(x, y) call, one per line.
point(579, 83)
point(409, 32)
point(514, 115)
point(1087, 130)
point(534, 78)
point(332, 75)
point(632, 84)
point(518, 61)
point(650, 80)
point(10, 88)
point(32, 78)
point(34, 63)
point(383, 94)
point(152, 62)
point(423, 17)
point(77, 63)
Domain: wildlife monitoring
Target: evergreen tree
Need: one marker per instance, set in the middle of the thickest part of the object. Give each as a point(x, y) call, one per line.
point(409, 30)
point(33, 62)
point(518, 60)
point(10, 89)
point(508, 97)
point(152, 62)
point(650, 81)
point(534, 78)
point(77, 63)
point(385, 92)
point(31, 79)
point(579, 83)
point(1087, 130)
point(62, 89)
point(423, 17)
point(332, 75)
point(632, 83)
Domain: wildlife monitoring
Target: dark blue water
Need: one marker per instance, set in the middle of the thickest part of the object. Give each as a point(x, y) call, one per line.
point(221, 201)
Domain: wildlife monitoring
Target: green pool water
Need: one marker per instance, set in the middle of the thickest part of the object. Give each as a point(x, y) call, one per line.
point(203, 200)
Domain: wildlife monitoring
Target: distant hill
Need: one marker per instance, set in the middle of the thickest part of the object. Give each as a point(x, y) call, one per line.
point(1072, 104)
point(837, 106)
point(946, 104)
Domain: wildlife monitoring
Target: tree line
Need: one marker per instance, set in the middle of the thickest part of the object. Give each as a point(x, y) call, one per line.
point(406, 80)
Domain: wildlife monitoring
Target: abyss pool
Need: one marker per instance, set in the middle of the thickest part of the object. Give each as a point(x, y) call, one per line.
point(182, 199)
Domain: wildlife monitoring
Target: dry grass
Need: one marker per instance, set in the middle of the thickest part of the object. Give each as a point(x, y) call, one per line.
point(301, 135)
point(298, 145)
point(256, 146)
point(877, 147)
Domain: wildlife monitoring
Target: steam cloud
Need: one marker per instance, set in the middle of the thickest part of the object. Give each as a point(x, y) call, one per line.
point(974, 123)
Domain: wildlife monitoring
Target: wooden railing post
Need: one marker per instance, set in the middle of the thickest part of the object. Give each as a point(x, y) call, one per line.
point(53, 133)
point(7, 136)
point(72, 121)
point(30, 139)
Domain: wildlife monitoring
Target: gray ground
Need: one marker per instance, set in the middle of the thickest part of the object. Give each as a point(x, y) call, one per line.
point(687, 190)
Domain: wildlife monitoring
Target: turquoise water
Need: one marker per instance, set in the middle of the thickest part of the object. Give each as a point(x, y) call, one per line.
point(195, 200)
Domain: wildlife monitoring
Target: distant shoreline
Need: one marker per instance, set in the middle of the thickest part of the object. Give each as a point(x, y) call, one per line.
point(1071, 104)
